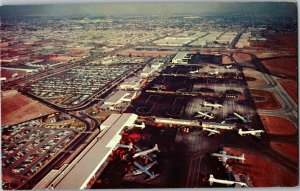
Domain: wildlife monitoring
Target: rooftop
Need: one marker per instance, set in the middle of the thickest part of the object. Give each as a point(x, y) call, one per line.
point(95, 154)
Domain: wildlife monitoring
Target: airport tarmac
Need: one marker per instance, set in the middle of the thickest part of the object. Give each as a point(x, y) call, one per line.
point(191, 150)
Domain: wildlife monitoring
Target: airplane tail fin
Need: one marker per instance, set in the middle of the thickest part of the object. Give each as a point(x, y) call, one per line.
point(211, 177)
point(156, 148)
point(130, 146)
point(240, 132)
point(243, 158)
point(153, 176)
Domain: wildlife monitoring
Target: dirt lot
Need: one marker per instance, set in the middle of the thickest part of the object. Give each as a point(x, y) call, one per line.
point(8, 73)
point(277, 125)
point(271, 102)
point(278, 41)
point(241, 57)
point(17, 108)
point(226, 60)
point(286, 67)
point(145, 53)
point(262, 172)
point(290, 86)
point(289, 150)
point(284, 40)
point(254, 78)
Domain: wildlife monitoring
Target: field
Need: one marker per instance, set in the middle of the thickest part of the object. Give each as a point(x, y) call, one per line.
point(226, 60)
point(289, 150)
point(17, 108)
point(270, 173)
point(278, 41)
point(278, 125)
point(254, 78)
point(283, 67)
point(290, 87)
point(269, 101)
point(8, 73)
point(241, 57)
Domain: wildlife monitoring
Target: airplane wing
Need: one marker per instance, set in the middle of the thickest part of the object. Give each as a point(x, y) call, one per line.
point(199, 115)
point(150, 165)
point(224, 159)
point(140, 150)
point(211, 133)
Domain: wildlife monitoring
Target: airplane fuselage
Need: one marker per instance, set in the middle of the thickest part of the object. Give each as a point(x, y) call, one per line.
point(227, 182)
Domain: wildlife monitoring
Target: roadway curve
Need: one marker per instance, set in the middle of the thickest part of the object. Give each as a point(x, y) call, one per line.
point(289, 108)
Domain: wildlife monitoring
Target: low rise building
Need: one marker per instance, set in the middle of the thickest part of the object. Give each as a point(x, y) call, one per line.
point(180, 122)
point(181, 58)
point(156, 65)
point(117, 98)
point(147, 71)
point(131, 84)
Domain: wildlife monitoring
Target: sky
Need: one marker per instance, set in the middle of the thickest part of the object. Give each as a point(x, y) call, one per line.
point(20, 2)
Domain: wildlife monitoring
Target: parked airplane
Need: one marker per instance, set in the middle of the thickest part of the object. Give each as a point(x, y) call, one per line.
point(216, 72)
point(214, 125)
point(146, 152)
point(228, 66)
point(204, 115)
point(129, 146)
point(252, 132)
point(245, 119)
point(227, 182)
point(195, 71)
point(159, 87)
point(211, 131)
point(142, 125)
point(212, 105)
point(143, 169)
point(224, 157)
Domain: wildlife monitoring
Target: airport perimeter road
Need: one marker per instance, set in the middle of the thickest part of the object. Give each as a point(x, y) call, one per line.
point(289, 107)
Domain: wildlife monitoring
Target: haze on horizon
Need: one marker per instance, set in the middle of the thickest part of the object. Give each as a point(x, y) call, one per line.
point(273, 9)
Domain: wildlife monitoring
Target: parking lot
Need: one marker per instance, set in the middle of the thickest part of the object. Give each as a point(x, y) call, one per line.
point(29, 146)
point(76, 85)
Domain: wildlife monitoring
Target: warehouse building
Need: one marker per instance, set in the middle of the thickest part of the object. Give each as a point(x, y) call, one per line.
point(131, 84)
point(117, 98)
point(181, 58)
point(147, 71)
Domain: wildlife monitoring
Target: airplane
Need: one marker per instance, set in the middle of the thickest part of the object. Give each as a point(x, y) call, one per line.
point(222, 125)
point(204, 115)
point(224, 157)
point(252, 132)
point(216, 72)
point(211, 131)
point(143, 169)
point(195, 71)
point(146, 152)
point(242, 118)
point(142, 126)
point(159, 87)
point(129, 146)
point(212, 105)
point(227, 182)
point(228, 66)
